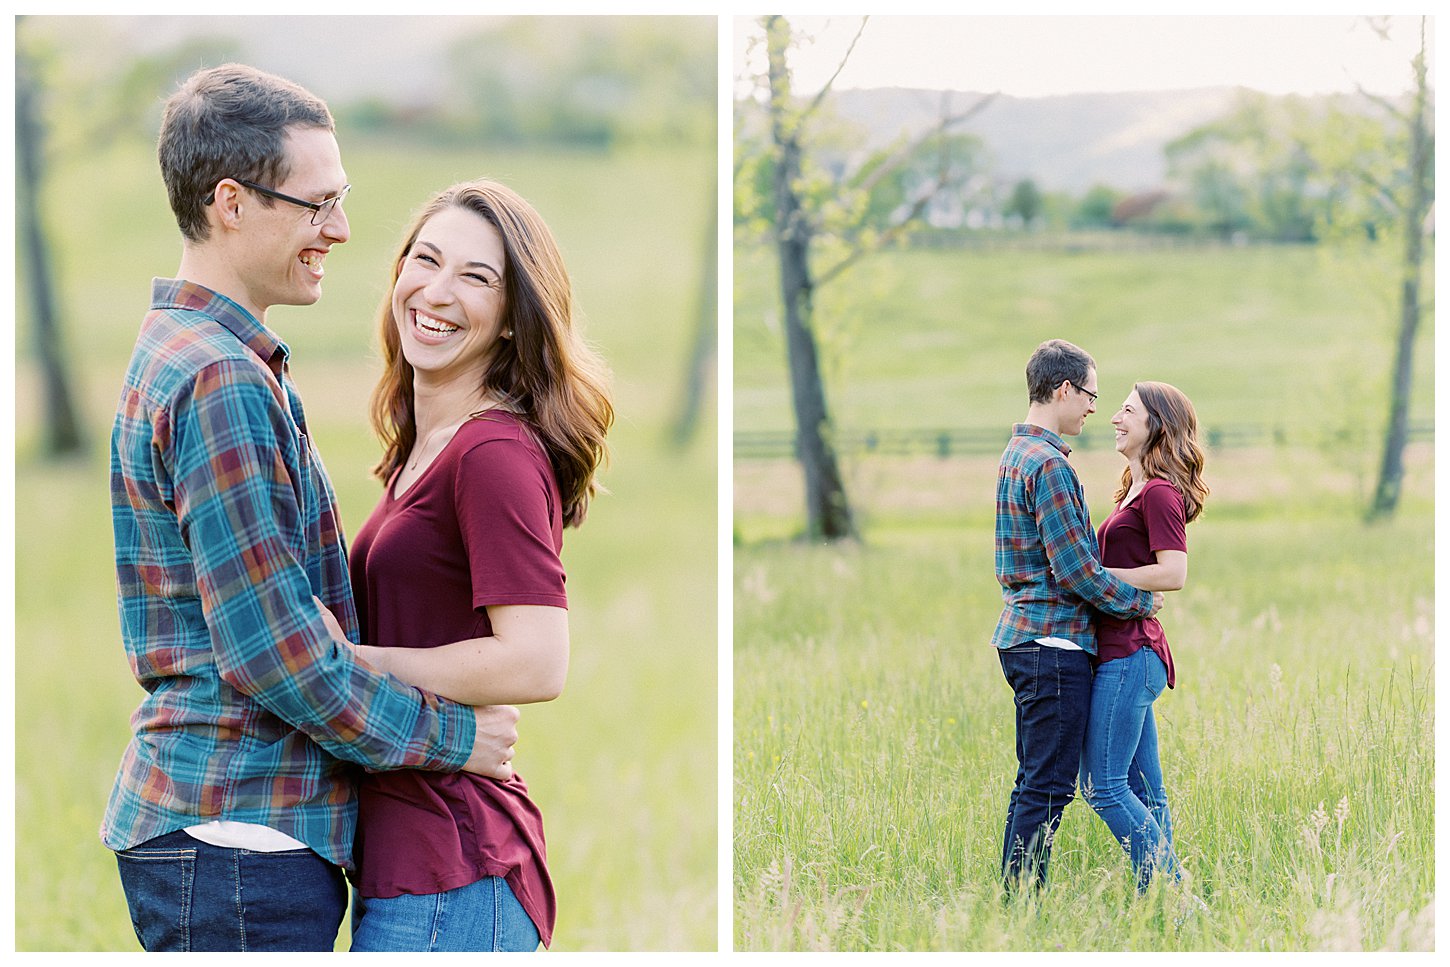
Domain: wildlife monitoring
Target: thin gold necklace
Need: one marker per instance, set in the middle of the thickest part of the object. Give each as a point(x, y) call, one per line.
point(420, 450)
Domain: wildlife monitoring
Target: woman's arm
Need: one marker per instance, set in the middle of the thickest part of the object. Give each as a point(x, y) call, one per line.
point(525, 661)
point(1169, 573)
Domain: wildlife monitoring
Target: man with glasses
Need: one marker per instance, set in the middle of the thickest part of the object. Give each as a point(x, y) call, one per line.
point(1047, 563)
point(234, 808)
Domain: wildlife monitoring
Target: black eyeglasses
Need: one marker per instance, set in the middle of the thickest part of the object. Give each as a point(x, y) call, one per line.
point(321, 210)
point(1089, 393)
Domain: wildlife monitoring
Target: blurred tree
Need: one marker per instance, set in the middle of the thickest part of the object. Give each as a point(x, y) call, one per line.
point(1349, 170)
point(62, 427)
point(942, 165)
point(66, 110)
point(699, 363)
point(1247, 171)
point(1095, 210)
point(1410, 195)
point(1025, 202)
point(823, 222)
point(587, 81)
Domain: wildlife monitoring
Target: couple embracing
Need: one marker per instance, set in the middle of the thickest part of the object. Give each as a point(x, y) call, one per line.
point(1078, 639)
point(314, 715)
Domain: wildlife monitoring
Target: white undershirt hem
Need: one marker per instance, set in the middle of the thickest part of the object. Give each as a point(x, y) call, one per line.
point(233, 835)
point(1062, 643)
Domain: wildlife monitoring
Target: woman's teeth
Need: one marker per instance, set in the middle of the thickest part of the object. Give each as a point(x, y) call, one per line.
point(435, 326)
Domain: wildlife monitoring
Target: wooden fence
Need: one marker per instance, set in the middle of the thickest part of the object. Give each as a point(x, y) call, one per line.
point(776, 445)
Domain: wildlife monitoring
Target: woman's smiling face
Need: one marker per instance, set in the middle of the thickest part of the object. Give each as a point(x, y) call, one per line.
point(448, 302)
point(1130, 425)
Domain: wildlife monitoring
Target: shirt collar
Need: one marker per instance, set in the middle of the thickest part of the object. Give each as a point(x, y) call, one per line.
point(1032, 429)
point(181, 294)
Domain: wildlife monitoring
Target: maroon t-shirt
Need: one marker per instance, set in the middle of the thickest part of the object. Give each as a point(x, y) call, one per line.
point(1155, 520)
point(482, 526)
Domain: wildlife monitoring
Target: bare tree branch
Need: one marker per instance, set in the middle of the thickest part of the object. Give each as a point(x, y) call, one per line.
point(821, 94)
point(910, 148)
point(900, 225)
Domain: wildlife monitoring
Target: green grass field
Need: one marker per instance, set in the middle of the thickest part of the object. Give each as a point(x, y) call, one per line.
point(1294, 337)
point(623, 764)
point(873, 730)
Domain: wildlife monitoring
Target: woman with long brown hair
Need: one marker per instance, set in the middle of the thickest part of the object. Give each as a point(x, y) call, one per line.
point(492, 413)
point(1143, 542)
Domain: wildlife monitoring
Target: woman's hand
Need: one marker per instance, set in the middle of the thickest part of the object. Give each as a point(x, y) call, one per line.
point(330, 619)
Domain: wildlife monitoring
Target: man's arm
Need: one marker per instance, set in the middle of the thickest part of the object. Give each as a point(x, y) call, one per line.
point(1071, 549)
point(240, 517)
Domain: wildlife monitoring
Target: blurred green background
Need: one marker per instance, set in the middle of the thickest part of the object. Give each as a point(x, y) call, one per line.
point(623, 765)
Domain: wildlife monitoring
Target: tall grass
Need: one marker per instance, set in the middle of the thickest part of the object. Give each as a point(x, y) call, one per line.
point(874, 743)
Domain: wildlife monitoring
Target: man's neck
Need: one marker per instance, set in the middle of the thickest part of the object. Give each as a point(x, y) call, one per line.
point(1045, 416)
point(205, 266)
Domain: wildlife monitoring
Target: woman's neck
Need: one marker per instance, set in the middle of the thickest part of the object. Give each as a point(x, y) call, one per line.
point(436, 405)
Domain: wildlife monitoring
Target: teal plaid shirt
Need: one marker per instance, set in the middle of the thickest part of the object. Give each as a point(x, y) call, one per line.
point(1047, 556)
point(226, 526)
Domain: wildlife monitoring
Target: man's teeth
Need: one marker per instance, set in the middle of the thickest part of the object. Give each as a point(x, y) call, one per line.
point(433, 325)
point(311, 259)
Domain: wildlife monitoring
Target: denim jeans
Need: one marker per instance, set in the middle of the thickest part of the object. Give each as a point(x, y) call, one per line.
point(1051, 689)
point(1120, 775)
point(484, 915)
point(188, 895)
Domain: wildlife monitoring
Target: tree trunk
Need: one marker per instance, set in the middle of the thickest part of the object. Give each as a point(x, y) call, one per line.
point(1392, 465)
point(828, 512)
point(62, 428)
point(702, 352)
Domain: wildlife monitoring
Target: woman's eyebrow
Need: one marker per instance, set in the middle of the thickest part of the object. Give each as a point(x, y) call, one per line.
point(471, 265)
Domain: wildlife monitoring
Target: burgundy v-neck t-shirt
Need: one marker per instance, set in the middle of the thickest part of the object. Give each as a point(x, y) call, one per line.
point(1155, 520)
point(482, 526)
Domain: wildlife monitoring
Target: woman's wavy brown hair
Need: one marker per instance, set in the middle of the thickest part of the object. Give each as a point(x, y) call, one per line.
point(545, 372)
point(1172, 451)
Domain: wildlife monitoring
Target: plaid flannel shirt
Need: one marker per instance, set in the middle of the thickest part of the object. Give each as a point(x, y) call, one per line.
point(1047, 557)
point(226, 525)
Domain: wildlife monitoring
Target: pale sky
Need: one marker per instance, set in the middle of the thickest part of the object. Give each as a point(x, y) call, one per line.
point(1038, 55)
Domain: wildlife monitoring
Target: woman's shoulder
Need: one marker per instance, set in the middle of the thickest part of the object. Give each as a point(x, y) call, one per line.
point(500, 438)
point(1162, 493)
point(492, 425)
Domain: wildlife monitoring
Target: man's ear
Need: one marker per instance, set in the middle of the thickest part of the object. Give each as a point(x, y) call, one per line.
point(226, 205)
point(1061, 392)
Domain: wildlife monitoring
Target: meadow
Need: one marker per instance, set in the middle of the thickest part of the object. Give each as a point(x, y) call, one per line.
point(873, 745)
point(623, 764)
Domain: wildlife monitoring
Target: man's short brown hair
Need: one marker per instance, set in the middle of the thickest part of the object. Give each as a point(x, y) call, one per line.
point(229, 122)
point(1051, 363)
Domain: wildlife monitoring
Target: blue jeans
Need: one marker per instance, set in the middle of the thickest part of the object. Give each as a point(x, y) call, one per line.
point(1120, 775)
point(1051, 689)
point(188, 895)
point(484, 915)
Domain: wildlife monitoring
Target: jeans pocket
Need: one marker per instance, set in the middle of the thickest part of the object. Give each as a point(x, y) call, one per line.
point(1155, 675)
point(1020, 666)
point(158, 882)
